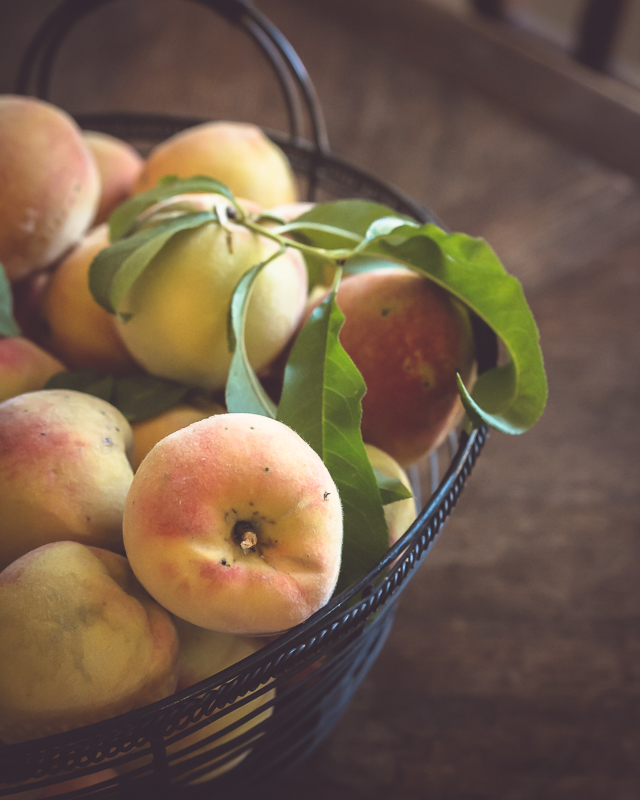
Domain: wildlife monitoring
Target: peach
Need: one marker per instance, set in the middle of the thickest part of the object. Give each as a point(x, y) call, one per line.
point(24, 367)
point(78, 330)
point(401, 514)
point(179, 305)
point(119, 165)
point(64, 471)
point(238, 154)
point(80, 641)
point(409, 338)
point(50, 184)
point(235, 524)
point(148, 432)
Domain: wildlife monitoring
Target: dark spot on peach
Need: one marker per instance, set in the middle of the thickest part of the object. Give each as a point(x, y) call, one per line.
point(224, 562)
point(385, 311)
point(266, 469)
point(43, 433)
point(326, 495)
point(234, 511)
point(88, 519)
point(107, 440)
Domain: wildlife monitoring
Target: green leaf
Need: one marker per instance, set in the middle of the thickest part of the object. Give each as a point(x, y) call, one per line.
point(511, 397)
point(84, 380)
point(124, 217)
point(140, 397)
point(337, 222)
point(391, 489)
point(244, 392)
point(116, 268)
point(8, 326)
point(321, 401)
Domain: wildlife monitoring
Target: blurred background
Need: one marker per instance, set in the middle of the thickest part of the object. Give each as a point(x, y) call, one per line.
point(513, 668)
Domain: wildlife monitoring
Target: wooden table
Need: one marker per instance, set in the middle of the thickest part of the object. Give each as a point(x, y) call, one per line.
point(513, 669)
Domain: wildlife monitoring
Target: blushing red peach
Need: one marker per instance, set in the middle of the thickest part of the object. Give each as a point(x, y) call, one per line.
point(238, 154)
point(80, 641)
point(119, 165)
point(79, 331)
point(50, 184)
point(234, 524)
point(64, 471)
point(24, 367)
point(409, 338)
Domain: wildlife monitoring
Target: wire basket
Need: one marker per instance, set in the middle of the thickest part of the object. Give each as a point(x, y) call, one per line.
point(262, 716)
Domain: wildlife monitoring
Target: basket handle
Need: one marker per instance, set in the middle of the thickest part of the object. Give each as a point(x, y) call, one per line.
point(296, 86)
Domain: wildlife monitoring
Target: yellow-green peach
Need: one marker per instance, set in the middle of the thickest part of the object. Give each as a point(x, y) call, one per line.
point(77, 329)
point(64, 471)
point(80, 641)
point(401, 514)
point(235, 524)
point(179, 306)
point(238, 154)
point(119, 165)
point(50, 184)
point(24, 367)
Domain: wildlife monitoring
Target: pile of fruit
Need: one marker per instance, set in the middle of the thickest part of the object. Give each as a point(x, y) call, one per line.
point(209, 394)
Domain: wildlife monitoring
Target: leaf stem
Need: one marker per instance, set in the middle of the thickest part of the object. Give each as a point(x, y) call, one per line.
point(336, 255)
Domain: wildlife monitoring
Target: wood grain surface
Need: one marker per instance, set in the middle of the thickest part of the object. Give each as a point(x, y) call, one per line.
point(513, 669)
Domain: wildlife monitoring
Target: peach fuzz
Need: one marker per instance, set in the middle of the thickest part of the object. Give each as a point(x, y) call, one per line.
point(238, 154)
point(24, 367)
point(77, 329)
point(234, 524)
point(119, 165)
point(64, 471)
point(80, 641)
point(409, 338)
point(50, 184)
point(148, 432)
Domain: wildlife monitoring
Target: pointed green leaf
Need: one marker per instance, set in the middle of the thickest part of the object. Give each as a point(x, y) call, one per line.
point(321, 400)
point(116, 268)
point(391, 489)
point(244, 392)
point(85, 380)
point(8, 326)
point(123, 218)
point(510, 397)
point(336, 220)
point(140, 397)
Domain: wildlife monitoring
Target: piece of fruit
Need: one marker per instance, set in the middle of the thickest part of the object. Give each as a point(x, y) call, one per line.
point(119, 165)
point(234, 524)
point(50, 184)
point(409, 338)
point(76, 329)
point(148, 432)
point(238, 154)
point(24, 367)
point(80, 641)
point(64, 471)
point(179, 305)
point(401, 514)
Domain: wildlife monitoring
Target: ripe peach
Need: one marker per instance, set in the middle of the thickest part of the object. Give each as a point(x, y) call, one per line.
point(179, 305)
point(409, 338)
point(119, 165)
point(64, 471)
point(234, 524)
point(401, 514)
point(80, 641)
point(50, 184)
point(236, 153)
point(24, 367)
point(78, 330)
point(148, 432)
